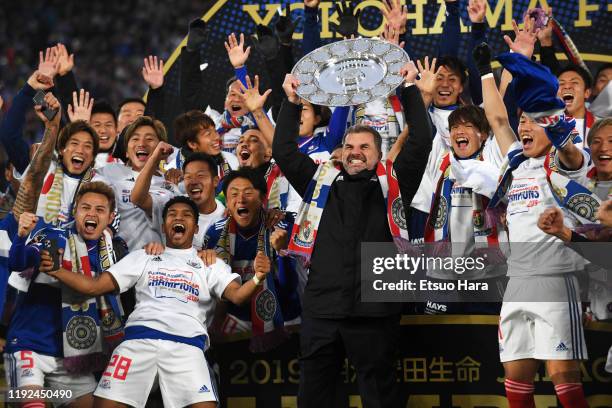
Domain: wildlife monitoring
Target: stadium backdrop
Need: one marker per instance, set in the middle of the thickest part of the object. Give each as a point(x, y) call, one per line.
point(588, 23)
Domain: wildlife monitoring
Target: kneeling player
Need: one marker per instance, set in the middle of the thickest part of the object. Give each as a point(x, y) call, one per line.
point(166, 334)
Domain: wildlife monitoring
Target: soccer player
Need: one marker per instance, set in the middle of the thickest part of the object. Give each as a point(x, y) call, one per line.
point(238, 239)
point(200, 182)
point(575, 89)
point(57, 340)
point(104, 121)
point(141, 139)
point(541, 315)
point(166, 334)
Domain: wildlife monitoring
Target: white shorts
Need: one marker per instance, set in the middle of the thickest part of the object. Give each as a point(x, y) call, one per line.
point(183, 374)
point(542, 330)
point(28, 368)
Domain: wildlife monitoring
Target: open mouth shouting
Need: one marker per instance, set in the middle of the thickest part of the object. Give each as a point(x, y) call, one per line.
point(604, 159)
point(90, 226)
point(142, 155)
point(78, 162)
point(195, 191)
point(236, 108)
point(444, 94)
point(244, 155)
point(462, 143)
point(527, 141)
point(178, 229)
point(243, 213)
point(568, 98)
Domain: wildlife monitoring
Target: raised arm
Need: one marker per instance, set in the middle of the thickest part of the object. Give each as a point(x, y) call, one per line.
point(547, 49)
point(140, 195)
point(255, 102)
point(312, 32)
point(298, 167)
point(451, 31)
point(22, 256)
point(239, 294)
point(153, 74)
point(65, 81)
point(32, 182)
point(477, 11)
point(427, 84)
point(494, 107)
point(411, 161)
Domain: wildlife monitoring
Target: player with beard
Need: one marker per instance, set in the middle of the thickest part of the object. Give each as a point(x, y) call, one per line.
point(167, 332)
point(41, 350)
point(200, 181)
point(351, 205)
point(196, 132)
point(141, 139)
point(238, 240)
point(574, 90)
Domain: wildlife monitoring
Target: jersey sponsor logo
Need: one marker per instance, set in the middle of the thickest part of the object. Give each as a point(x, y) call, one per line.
point(561, 347)
point(27, 373)
point(436, 307)
point(203, 388)
point(125, 195)
point(193, 263)
point(175, 284)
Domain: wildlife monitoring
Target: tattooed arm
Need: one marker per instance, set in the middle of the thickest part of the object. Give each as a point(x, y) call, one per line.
point(31, 185)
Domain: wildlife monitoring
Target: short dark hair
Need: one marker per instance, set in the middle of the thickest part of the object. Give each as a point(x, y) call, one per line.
point(181, 200)
point(104, 107)
point(364, 129)
point(158, 126)
point(230, 82)
point(323, 112)
point(75, 127)
point(584, 74)
point(202, 157)
point(472, 114)
point(130, 100)
point(597, 126)
point(189, 124)
point(255, 177)
point(455, 65)
point(605, 66)
point(98, 187)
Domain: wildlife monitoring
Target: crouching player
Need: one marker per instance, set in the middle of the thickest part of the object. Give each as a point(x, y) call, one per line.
point(166, 333)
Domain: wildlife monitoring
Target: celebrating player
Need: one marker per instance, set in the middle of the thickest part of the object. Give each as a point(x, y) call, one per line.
point(166, 334)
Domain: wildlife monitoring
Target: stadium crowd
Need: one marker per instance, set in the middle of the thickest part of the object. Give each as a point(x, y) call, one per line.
point(123, 257)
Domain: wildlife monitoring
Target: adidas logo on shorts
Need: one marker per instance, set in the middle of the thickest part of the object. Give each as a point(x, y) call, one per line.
point(204, 388)
point(561, 347)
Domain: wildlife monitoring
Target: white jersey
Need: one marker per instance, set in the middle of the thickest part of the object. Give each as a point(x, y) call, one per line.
point(204, 220)
point(175, 291)
point(103, 159)
point(423, 196)
point(136, 228)
point(528, 196)
point(175, 161)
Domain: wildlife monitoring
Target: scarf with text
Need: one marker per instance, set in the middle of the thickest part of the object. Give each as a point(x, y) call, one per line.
point(278, 188)
point(304, 232)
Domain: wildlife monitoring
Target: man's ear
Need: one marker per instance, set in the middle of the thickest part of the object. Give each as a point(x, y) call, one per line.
point(587, 93)
point(317, 120)
point(192, 145)
point(112, 217)
point(215, 181)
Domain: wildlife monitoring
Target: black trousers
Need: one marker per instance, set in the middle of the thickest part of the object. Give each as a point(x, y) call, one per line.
point(371, 345)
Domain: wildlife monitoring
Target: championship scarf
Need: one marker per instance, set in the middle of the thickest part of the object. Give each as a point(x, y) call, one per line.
point(228, 122)
point(479, 231)
point(92, 327)
point(264, 308)
point(569, 194)
point(439, 119)
point(304, 232)
point(50, 200)
point(278, 188)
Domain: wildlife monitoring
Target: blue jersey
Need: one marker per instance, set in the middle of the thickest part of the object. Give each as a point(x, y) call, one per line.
point(320, 146)
point(37, 323)
point(242, 264)
point(8, 229)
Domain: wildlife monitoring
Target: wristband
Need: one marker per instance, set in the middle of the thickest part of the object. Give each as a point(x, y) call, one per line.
point(256, 280)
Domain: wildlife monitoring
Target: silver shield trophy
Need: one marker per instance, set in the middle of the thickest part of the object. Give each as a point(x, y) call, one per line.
point(350, 72)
